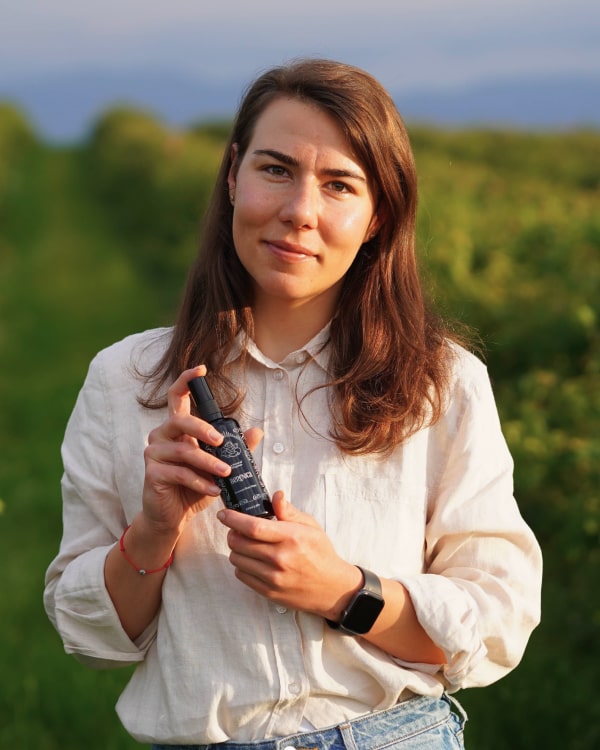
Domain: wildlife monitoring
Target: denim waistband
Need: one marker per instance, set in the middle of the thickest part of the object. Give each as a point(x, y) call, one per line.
point(374, 731)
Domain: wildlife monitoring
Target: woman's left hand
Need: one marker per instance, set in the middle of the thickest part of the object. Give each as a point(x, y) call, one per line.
point(290, 561)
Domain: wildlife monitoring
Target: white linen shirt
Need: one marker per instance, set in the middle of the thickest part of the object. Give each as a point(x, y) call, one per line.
point(219, 661)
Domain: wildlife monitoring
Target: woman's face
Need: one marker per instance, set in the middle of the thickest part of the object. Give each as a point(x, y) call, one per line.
point(302, 206)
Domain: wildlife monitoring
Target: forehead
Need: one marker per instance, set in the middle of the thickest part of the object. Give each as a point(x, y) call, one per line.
point(288, 123)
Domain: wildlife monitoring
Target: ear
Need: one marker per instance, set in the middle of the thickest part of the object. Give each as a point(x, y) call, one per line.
point(373, 228)
point(233, 168)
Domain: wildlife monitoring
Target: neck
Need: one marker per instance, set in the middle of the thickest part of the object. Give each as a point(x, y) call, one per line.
point(277, 331)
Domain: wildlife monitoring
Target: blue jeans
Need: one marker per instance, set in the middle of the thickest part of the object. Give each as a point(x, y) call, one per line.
point(417, 724)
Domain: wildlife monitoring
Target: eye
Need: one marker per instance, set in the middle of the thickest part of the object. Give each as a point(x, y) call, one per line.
point(340, 187)
point(275, 169)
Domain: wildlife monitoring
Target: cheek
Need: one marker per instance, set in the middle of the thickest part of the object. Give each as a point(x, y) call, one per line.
point(251, 211)
point(350, 228)
point(248, 216)
point(251, 197)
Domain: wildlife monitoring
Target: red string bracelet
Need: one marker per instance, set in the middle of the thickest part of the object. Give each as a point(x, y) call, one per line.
point(141, 571)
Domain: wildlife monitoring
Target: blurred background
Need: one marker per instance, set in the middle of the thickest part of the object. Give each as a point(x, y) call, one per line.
point(113, 119)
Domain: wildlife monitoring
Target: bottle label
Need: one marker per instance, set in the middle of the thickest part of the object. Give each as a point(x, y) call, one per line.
point(243, 490)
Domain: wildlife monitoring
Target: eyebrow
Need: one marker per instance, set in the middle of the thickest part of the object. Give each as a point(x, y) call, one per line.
point(292, 162)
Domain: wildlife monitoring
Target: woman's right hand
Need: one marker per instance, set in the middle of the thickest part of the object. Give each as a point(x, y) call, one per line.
point(178, 484)
point(179, 474)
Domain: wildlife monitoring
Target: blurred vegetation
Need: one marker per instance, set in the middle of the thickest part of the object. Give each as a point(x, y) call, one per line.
point(153, 183)
point(16, 139)
point(94, 244)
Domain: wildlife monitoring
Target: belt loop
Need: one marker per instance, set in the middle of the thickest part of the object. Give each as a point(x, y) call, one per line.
point(458, 707)
point(348, 736)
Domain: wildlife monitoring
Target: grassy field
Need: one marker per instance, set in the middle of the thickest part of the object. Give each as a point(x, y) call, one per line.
point(511, 232)
point(65, 291)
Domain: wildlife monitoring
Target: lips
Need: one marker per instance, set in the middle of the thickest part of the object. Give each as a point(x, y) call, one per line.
point(289, 251)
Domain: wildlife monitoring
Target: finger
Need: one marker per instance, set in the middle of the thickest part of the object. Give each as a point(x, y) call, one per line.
point(181, 427)
point(178, 395)
point(185, 453)
point(253, 437)
point(160, 476)
point(285, 511)
point(252, 527)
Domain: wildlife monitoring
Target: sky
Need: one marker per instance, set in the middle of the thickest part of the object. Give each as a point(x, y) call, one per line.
point(408, 46)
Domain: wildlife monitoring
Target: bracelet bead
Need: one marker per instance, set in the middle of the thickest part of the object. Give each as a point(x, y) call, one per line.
point(140, 571)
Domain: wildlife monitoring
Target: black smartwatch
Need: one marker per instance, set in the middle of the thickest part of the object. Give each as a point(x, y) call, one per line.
point(364, 608)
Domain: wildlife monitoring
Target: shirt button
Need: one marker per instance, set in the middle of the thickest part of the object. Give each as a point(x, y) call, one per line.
point(278, 374)
point(300, 358)
point(278, 447)
point(281, 610)
point(294, 688)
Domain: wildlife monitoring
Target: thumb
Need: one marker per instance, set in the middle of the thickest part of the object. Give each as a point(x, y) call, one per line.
point(253, 436)
point(285, 511)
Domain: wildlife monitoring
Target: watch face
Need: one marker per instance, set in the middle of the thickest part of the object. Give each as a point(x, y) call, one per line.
point(363, 612)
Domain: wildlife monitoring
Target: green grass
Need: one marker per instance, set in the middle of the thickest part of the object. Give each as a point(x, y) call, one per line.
point(66, 290)
point(511, 237)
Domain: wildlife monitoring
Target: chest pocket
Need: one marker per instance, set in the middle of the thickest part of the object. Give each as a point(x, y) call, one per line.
point(376, 522)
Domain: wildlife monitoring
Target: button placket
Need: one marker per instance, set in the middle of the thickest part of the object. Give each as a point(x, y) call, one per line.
point(277, 451)
point(290, 667)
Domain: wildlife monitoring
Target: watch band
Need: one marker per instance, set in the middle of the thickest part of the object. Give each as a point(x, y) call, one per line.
point(360, 615)
point(372, 584)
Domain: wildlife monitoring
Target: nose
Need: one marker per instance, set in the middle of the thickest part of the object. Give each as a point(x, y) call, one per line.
point(300, 206)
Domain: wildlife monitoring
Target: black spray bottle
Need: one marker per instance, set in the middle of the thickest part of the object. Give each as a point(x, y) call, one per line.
point(243, 489)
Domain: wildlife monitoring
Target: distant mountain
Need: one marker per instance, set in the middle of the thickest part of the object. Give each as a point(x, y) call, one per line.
point(543, 102)
point(63, 106)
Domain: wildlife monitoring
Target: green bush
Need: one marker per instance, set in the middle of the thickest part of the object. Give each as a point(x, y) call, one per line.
point(509, 238)
point(155, 184)
point(16, 140)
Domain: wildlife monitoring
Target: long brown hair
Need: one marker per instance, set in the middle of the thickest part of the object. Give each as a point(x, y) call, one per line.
point(389, 359)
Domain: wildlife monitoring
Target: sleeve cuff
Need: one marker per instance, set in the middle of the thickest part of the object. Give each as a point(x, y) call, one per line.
point(87, 619)
point(448, 616)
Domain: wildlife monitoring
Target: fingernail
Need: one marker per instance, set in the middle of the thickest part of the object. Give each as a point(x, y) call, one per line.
point(221, 515)
point(223, 469)
point(214, 434)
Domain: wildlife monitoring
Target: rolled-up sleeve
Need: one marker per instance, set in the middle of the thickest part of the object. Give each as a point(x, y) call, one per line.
point(75, 596)
point(479, 599)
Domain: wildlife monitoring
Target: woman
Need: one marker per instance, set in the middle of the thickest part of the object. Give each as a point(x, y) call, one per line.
point(399, 569)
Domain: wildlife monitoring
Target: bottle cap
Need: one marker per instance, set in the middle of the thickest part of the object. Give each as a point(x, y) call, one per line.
point(204, 399)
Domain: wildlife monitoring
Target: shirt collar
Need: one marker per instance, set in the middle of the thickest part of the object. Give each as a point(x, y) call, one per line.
point(317, 349)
